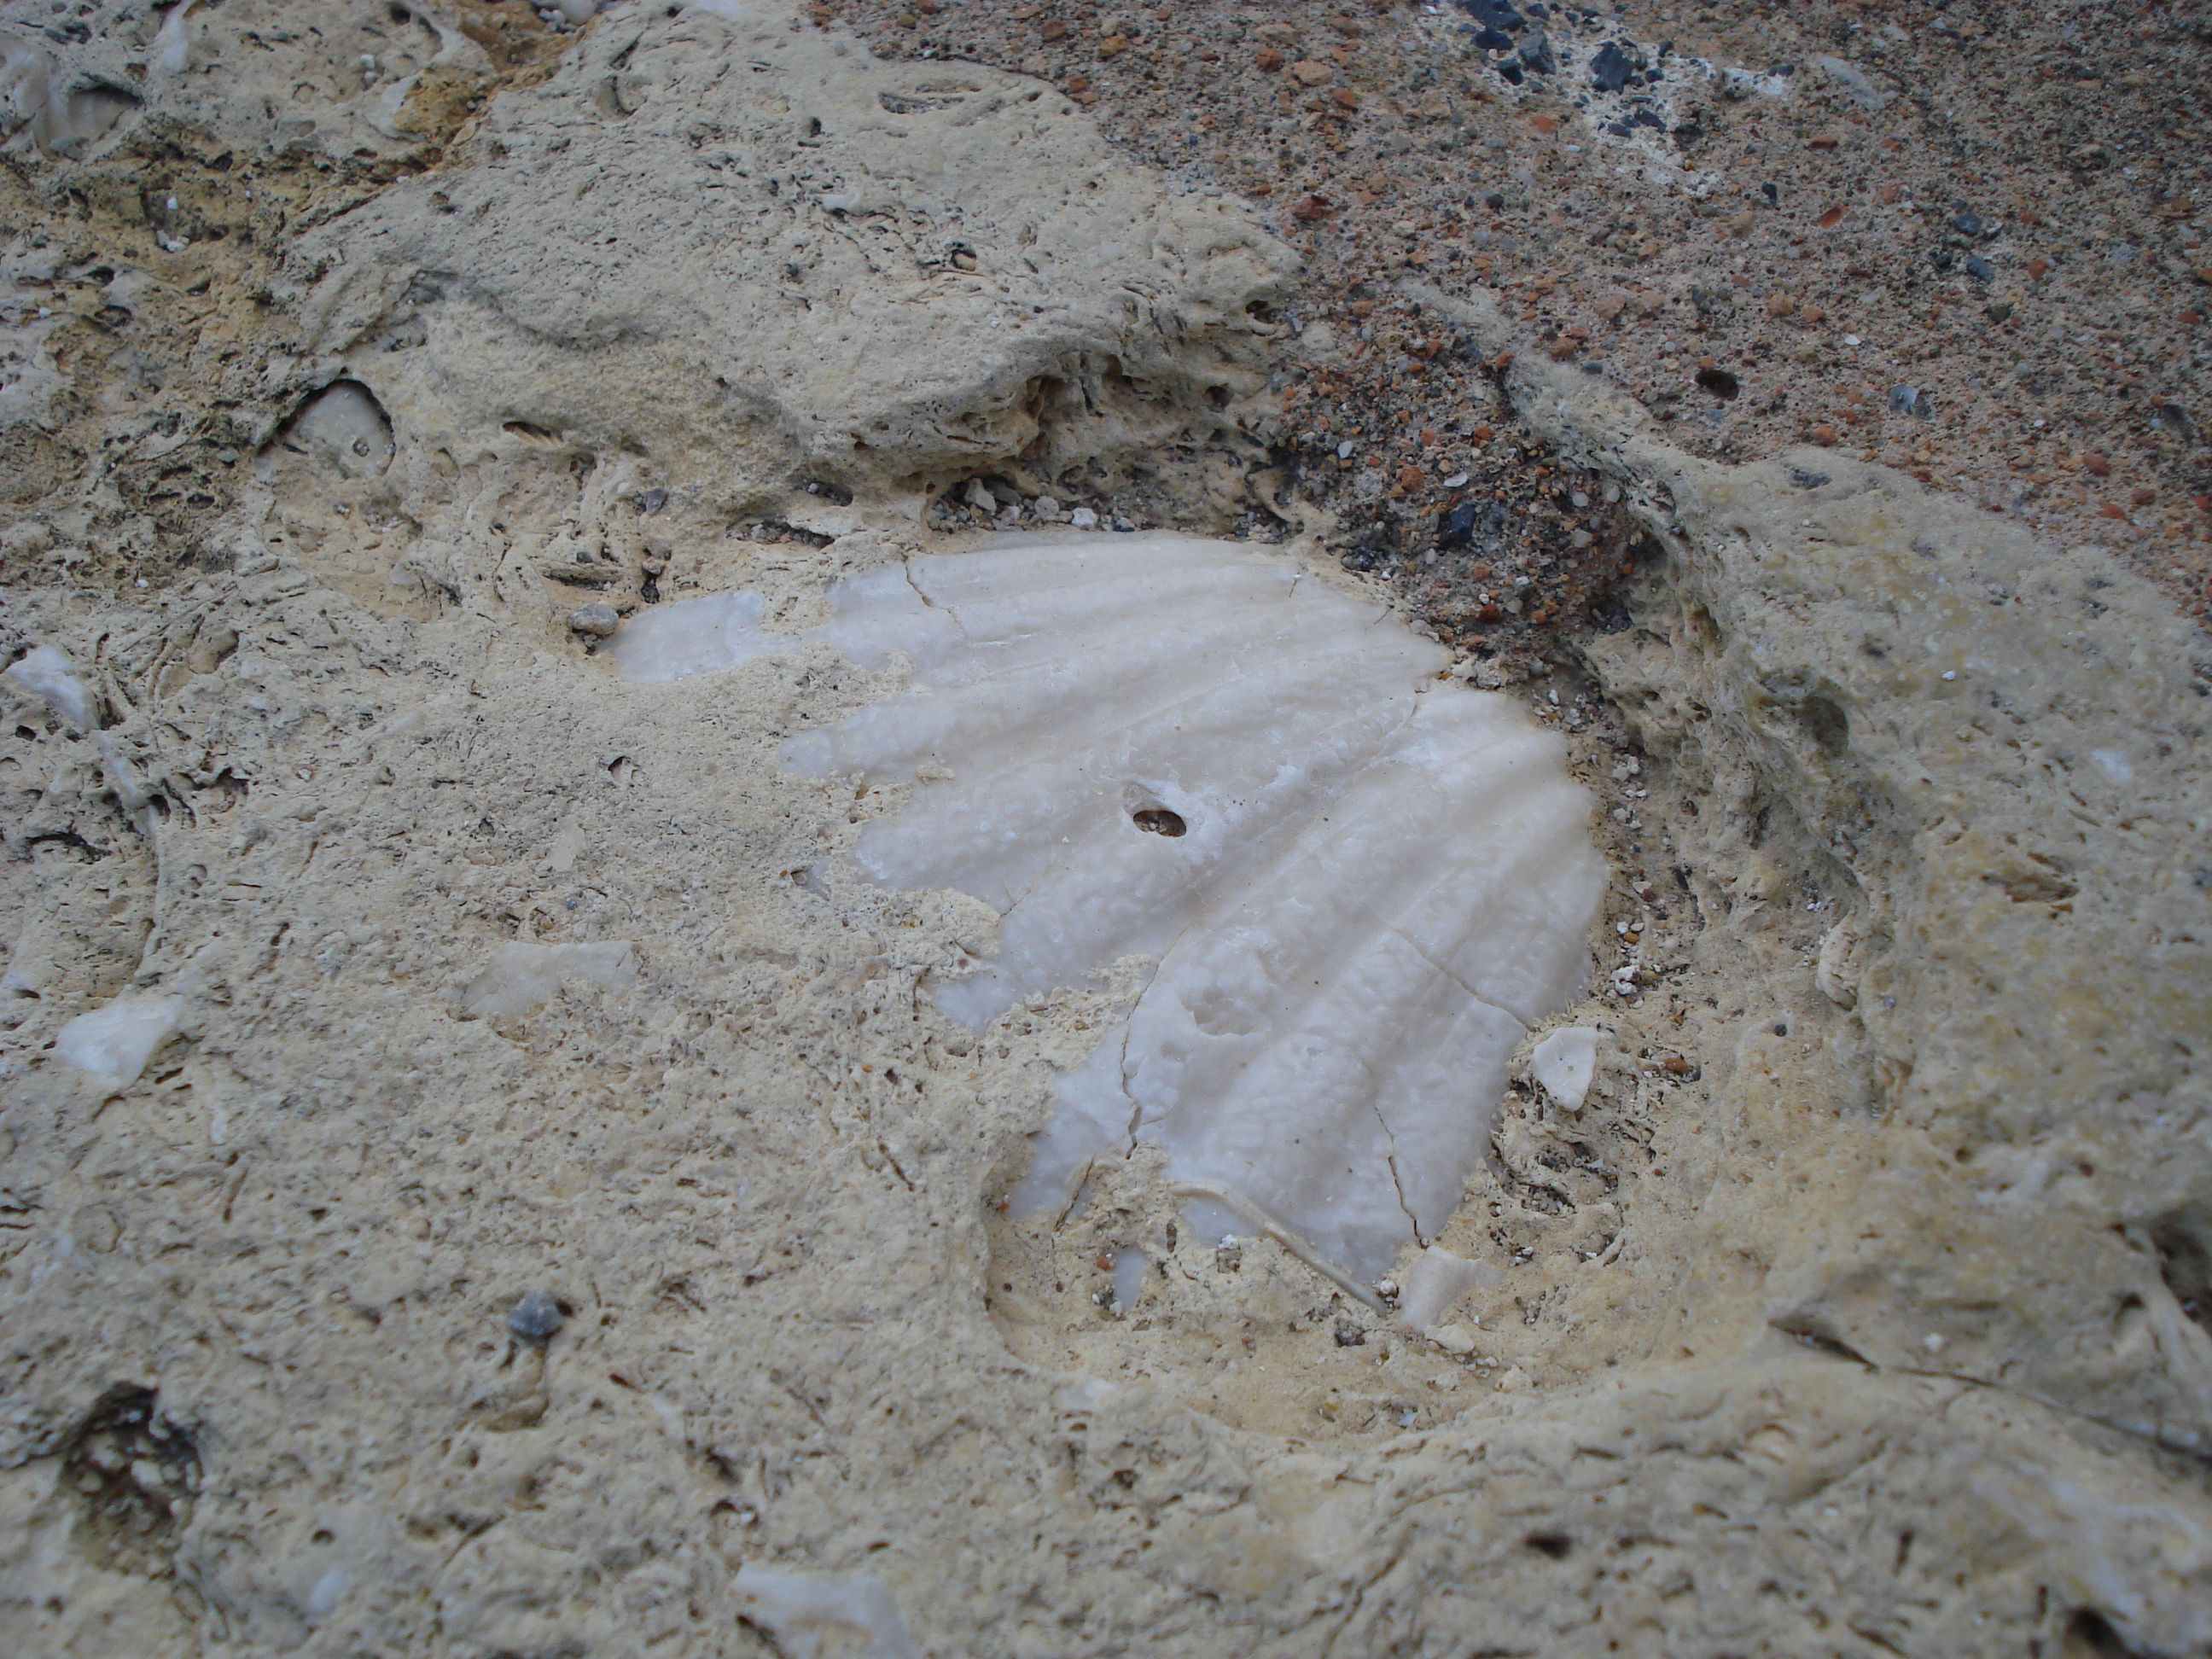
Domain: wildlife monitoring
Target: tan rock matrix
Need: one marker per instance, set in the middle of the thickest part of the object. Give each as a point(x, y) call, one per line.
point(483, 1170)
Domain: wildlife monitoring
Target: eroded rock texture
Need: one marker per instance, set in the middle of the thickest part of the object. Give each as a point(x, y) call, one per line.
point(1857, 1309)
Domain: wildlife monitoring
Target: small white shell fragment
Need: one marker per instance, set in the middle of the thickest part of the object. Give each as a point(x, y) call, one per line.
point(695, 636)
point(521, 976)
point(114, 1043)
point(1128, 1277)
point(1832, 969)
point(1356, 885)
point(1564, 1062)
point(814, 1615)
point(1436, 1280)
point(1453, 1339)
point(48, 674)
point(172, 42)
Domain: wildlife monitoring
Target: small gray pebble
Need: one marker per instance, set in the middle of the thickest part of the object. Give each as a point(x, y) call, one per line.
point(536, 1317)
point(597, 620)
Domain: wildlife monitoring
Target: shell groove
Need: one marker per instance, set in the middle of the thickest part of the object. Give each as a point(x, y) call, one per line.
point(1356, 883)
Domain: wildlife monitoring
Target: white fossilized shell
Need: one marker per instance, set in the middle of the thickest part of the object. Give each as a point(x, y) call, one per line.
point(1356, 883)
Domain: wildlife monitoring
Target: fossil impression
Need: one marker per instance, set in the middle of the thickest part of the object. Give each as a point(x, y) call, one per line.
point(1355, 884)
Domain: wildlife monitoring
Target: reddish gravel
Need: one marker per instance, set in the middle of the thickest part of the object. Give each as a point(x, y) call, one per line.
point(2001, 209)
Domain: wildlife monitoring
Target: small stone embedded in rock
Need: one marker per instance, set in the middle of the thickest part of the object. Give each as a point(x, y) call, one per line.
point(1610, 69)
point(1966, 223)
point(536, 1317)
point(598, 621)
point(1084, 518)
point(1905, 400)
point(1457, 527)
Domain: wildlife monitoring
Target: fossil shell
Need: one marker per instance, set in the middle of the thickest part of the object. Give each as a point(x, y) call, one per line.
point(1356, 883)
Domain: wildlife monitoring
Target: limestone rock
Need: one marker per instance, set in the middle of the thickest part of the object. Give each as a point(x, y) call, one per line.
point(759, 259)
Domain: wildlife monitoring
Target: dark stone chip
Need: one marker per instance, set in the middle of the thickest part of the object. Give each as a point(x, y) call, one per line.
point(1494, 14)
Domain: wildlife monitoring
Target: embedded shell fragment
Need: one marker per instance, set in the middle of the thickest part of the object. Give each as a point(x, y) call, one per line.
point(1355, 885)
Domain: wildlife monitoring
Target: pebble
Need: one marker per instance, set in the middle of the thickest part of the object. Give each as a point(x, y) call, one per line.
point(1611, 68)
point(1966, 223)
point(1047, 508)
point(1084, 518)
point(1904, 399)
point(597, 621)
point(536, 1317)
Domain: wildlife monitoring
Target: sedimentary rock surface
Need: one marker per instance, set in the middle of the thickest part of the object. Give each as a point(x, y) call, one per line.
point(520, 1192)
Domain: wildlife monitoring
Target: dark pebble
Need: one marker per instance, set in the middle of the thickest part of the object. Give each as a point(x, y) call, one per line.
point(1536, 55)
point(1966, 223)
point(536, 1317)
point(1363, 558)
point(1493, 14)
point(1611, 68)
point(1457, 527)
point(1978, 267)
point(1649, 118)
point(1773, 194)
point(1494, 41)
point(1494, 200)
point(1904, 399)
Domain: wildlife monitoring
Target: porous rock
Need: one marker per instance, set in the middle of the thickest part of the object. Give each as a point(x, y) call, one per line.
point(1895, 1341)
